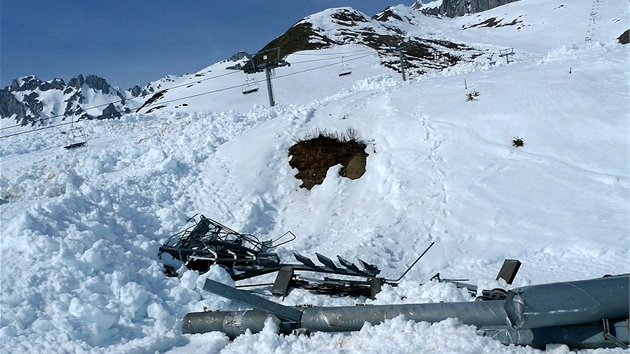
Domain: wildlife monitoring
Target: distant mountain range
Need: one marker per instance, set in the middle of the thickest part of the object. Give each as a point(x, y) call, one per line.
point(29, 101)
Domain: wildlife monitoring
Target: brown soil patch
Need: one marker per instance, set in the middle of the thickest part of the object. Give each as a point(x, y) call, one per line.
point(313, 157)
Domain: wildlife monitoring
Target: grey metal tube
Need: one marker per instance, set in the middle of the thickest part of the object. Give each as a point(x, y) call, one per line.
point(567, 303)
point(352, 318)
point(547, 305)
point(232, 323)
point(557, 312)
point(272, 102)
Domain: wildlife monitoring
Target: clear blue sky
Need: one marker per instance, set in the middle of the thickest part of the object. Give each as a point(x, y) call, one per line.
point(134, 42)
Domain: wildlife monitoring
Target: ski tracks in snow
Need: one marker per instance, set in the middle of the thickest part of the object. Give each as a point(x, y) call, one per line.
point(437, 225)
point(412, 142)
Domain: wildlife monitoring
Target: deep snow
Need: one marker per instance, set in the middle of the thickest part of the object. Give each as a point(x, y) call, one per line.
point(81, 228)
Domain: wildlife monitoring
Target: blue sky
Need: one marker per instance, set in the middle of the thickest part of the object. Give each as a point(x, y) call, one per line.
point(134, 42)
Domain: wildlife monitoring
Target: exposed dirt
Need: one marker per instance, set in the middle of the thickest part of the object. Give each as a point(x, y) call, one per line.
point(313, 157)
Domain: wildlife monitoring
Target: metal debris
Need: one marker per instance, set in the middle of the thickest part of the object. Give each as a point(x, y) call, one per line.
point(581, 314)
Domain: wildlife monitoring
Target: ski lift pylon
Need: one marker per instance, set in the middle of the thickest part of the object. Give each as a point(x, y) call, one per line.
point(250, 86)
point(345, 69)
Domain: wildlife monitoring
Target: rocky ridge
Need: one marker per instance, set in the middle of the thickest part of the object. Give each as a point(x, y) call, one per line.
point(454, 8)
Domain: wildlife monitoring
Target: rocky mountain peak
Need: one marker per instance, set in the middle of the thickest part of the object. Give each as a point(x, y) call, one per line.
point(29, 83)
point(455, 8)
point(29, 100)
point(98, 84)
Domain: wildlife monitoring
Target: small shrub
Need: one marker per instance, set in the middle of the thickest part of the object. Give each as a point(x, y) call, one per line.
point(518, 142)
point(351, 135)
point(470, 96)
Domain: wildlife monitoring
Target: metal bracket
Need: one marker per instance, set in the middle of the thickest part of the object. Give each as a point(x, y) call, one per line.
point(508, 270)
point(609, 336)
point(283, 279)
point(228, 292)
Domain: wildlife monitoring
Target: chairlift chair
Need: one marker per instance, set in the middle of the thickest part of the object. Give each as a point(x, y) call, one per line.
point(345, 69)
point(76, 138)
point(250, 86)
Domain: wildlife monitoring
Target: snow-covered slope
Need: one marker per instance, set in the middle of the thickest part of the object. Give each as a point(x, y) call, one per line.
point(81, 229)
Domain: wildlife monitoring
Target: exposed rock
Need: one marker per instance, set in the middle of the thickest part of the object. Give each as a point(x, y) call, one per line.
point(110, 112)
point(54, 84)
point(138, 90)
point(238, 56)
point(9, 106)
point(77, 82)
point(347, 26)
point(454, 8)
point(97, 83)
point(27, 83)
point(624, 38)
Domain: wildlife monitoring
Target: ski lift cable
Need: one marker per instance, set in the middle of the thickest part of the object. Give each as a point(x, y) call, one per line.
point(120, 100)
point(332, 54)
point(316, 68)
point(330, 58)
point(190, 96)
point(35, 130)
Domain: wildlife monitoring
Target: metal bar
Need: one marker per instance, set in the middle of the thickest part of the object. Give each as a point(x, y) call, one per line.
point(402, 64)
point(326, 261)
point(508, 270)
point(283, 312)
point(283, 279)
point(414, 263)
point(609, 336)
point(574, 336)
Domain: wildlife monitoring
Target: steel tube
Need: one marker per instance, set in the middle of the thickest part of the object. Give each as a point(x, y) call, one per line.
point(575, 313)
point(352, 318)
point(232, 323)
point(567, 303)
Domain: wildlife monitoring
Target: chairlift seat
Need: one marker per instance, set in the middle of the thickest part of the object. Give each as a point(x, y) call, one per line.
point(345, 70)
point(75, 145)
point(76, 138)
point(250, 86)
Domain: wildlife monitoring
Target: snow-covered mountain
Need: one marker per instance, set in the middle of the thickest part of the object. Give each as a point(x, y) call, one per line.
point(351, 37)
point(31, 101)
point(80, 229)
point(454, 8)
point(28, 101)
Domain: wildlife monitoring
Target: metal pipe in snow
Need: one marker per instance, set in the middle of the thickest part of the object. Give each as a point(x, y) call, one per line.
point(560, 312)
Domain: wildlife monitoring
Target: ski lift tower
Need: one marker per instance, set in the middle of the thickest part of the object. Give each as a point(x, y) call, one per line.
point(400, 49)
point(266, 61)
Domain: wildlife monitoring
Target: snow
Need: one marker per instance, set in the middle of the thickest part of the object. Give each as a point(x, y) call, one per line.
point(81, 229)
